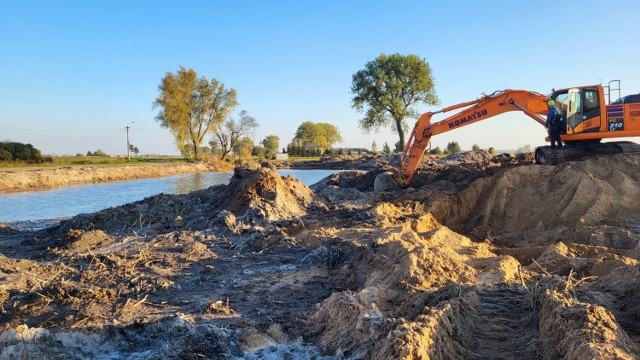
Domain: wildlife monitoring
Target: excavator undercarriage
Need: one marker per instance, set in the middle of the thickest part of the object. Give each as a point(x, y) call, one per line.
point(573, 151)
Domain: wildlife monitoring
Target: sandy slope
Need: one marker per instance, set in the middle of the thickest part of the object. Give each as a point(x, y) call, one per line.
point(478, 260)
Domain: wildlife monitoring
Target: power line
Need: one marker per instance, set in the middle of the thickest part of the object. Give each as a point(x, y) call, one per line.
point(69, 137)
point(56, 128)
point(152, 132)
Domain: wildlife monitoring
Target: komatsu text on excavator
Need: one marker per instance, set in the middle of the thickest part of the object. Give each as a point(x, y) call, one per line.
point(589, 113)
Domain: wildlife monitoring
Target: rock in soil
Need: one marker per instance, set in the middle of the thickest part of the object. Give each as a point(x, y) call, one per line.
point(482, 257)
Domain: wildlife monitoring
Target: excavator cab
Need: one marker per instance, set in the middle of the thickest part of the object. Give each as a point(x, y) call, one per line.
point(581, 108)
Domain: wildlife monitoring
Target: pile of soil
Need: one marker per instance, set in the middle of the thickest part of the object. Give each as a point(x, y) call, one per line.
point(340, 162)
point(481, 257)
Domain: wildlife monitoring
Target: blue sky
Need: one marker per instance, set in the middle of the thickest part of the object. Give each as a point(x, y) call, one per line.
point(73, 74)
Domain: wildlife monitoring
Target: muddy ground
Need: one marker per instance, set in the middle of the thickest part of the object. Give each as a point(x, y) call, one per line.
point(480, 258)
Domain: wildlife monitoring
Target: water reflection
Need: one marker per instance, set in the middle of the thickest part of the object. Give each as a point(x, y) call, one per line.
point(87, 198)
point(187, 184)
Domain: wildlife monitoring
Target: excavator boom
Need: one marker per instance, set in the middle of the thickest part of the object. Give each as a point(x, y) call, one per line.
point(531, 103)
point(589, 120)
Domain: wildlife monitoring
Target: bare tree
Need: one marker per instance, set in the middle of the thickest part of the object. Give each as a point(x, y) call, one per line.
point(229, 134)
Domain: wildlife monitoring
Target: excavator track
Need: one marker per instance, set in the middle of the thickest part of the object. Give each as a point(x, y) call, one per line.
point(545, 155)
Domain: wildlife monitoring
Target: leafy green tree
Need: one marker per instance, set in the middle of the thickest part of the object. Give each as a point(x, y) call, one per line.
point(187, 151)
point(492, 150)
point(5, 155)
point(398, 147)
point(229, 134)
point(134, 149)
point(258, 151)
point(323, 134)
point(453, 147)
point(386, 149)
point(387, 90)
point(374, 147)
point(191, 107)
point(11, 151)
point(215, 148)
point(271, 144)
point(475, 147)
point(436, 151)
point(242, 148)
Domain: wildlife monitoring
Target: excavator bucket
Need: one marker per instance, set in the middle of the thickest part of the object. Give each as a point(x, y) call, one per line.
point(385, 181)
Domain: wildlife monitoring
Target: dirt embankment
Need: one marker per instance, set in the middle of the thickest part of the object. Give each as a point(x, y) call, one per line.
point(478, 259)
point(16, 179)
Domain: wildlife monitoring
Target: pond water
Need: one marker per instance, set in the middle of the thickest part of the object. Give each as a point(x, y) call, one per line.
point(24, 207)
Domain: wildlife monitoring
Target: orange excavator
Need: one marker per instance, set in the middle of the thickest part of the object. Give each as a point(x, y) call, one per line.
point(590, 117)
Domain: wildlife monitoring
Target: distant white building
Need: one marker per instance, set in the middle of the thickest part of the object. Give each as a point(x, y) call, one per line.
point(282, 156)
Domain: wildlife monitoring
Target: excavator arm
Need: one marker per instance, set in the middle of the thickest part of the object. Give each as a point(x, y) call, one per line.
point(531, 103)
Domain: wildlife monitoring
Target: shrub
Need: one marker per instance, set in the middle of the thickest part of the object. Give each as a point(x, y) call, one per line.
point(14, 151)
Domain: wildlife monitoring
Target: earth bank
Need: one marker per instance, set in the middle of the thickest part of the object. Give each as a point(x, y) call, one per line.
point(481, 257)
point(21, 179)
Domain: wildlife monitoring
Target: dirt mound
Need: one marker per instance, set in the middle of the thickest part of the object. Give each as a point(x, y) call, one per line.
point(8, 229)
point(476, 156)
point(366, 162)
point(177, 339)
point(254, 194)
point(79, 240)
point(460, 170)
point(483, 259)
point(539, 205)
point(575, 330)
point(400, 281)
point(355, 179)
point(262, 192)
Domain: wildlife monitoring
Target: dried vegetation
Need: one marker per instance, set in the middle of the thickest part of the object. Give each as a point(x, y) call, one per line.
point(482, 257)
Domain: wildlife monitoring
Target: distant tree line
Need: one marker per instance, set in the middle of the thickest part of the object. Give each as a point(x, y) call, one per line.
point(453, 147)
point(98, 152)
point(15, 151)
point(296, 149)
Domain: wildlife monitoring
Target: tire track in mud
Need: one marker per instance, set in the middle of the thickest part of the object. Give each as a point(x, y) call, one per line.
point(506, 326)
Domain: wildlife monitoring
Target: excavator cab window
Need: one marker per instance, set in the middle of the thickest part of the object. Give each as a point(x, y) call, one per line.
point(591, 103)
point(562, 102)
point(574, 109)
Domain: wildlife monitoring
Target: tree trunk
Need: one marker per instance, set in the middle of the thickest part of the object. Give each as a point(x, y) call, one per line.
point(224, 152)
point(195, 150)
point(400, 133)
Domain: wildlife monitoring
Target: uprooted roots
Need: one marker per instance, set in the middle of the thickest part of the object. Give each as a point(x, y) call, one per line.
point(526, 262)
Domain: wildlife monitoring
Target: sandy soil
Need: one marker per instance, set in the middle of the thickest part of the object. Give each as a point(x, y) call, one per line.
point(481, 258)
point(20, 179)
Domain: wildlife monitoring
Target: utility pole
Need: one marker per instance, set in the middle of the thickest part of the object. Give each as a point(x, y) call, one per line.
point(128, 146)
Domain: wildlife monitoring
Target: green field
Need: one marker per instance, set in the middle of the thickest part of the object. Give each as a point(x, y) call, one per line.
point(107, 161)
point(94, 160)
point(301, 159)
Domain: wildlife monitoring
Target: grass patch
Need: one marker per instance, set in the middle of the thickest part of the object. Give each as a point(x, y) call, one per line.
point(95, 160)
point(302, 159)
